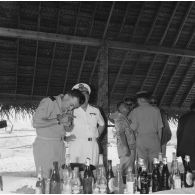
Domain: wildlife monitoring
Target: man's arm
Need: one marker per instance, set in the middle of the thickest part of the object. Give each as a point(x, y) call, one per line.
point(42, 114)
point(101, 123)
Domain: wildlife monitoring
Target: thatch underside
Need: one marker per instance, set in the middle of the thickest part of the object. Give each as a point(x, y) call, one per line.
point(47, 47)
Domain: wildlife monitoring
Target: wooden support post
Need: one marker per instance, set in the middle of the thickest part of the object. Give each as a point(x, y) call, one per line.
point(103, 98)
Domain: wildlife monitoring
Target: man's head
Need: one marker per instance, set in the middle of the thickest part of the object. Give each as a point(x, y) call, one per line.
point(130, 102)
point(153, 101)
point(85, 90)
point(123, 108)
point(72, 99)
point(142, 97)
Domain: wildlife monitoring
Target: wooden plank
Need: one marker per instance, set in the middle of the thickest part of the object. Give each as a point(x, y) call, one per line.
point(37, 47)
point(86, 47)
point(53, 52)
point(71, 48)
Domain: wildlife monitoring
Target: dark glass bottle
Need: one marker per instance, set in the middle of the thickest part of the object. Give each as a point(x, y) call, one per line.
point(188, 177)
point(110, 178)
point(139, 166)
point(155, 177)
point(144, 181)
point(165, 178)
point(55, 180)
point(88, 179)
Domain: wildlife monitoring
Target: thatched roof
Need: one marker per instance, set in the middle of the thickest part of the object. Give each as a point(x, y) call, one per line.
point(46, 47)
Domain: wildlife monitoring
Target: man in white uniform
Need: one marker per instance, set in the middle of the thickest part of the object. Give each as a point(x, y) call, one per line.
point(88, 125)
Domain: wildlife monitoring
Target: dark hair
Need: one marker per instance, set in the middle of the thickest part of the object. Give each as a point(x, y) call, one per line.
point(129, 99)
point(78, 94)
point(119, 104)
point(192, 107)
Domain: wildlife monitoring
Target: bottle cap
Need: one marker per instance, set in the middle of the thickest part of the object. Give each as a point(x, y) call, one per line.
point(88, 161)
point(165, 160)
point(155, 161)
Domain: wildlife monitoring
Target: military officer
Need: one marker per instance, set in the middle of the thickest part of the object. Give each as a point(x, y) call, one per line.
point(52, 120)
point(88, 125)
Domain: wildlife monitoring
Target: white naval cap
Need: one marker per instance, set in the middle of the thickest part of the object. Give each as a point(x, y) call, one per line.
point(82, 87)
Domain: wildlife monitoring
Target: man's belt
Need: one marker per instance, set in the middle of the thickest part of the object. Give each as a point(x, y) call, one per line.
point(89, 139)
point(49, 138)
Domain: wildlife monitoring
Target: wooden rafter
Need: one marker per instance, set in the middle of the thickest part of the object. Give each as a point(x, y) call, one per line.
point(170, 21)
point(186, 95)
point(103, 37)
point(86, 47)
point(53, 53)
point(37, 46)
point(71, 48)
point(147, 39)
point(161, 42)
point(135, 67)
point(124, 19)
point(17, 51)
point(174, 43)
point(108, 20)
point(52, 37)
point(187, 71)
point(119, 72)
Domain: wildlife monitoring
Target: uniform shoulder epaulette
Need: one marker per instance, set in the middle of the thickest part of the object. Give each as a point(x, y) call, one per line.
point(52, 98)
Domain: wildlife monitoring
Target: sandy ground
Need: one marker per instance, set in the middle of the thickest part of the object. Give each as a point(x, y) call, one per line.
point(16, 157)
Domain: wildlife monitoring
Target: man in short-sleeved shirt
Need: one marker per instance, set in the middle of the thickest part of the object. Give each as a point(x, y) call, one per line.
point(51, 121)
point(87, 127)
point(147, 122)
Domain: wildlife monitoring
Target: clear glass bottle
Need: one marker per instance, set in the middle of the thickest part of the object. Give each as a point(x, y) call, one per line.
point(175, 175)
point(55, 180)
point(188, 177)
point(40, 184)
point(130, 182)
point(118, 181)
point(140, 164)
point(110, 178)
point(102, 182)
point(76, 182)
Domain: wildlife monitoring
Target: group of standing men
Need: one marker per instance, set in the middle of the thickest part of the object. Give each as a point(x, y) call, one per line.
point(142, 130)
point(54, 117)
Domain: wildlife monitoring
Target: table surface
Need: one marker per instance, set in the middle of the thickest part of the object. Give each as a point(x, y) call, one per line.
point(26, 185)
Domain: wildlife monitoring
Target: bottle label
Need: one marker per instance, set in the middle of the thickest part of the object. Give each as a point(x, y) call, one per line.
point(111, 185)
point(38, 190)
point(130, 187)
point(189, 180)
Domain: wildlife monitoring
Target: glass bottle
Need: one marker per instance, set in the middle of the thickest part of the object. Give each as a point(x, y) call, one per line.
point(76, 182)
point(155, 176)
point(110, 178)
point(40, 184)
point(55, 180)
point(130, 183)
point(144, 181)
point(165, 179)
point(1, 183)
point(140, 164)
point(118, 181)
point(175, 175)
point(188, 177)
point(102, 182)
point(160, 160)
point(88, 179)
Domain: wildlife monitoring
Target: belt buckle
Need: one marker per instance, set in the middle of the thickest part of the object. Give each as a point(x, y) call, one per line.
point(89, 139)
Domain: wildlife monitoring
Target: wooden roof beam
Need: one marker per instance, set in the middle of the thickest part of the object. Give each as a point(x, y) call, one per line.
point(37, 46)
point(52, 37)
point(147, 39)
point(174, 43)
point(103, 37)
point(53, 52)
point(86, 47)
point(71, 48)
point(187, 71)
point(17, 51)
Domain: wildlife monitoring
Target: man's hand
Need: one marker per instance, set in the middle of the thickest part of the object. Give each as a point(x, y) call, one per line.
point(65, 119)
point(70, 138)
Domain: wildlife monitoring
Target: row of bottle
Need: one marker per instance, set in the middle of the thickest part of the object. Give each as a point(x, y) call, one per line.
point(161, 178)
